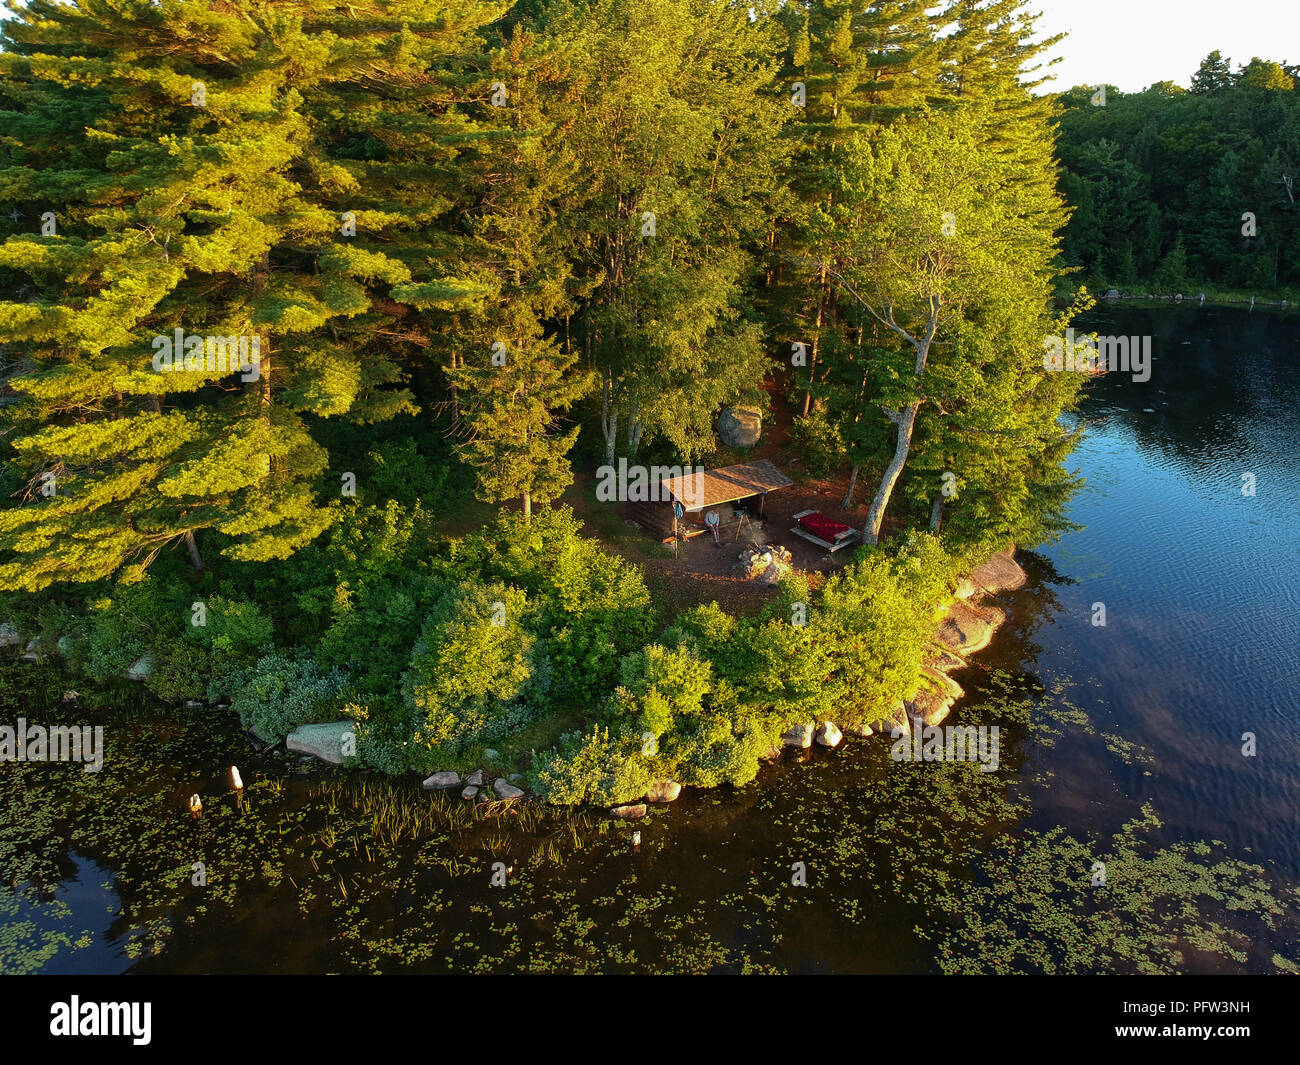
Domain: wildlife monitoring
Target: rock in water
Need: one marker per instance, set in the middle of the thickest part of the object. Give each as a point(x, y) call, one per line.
point(943, 660)
point(663, 791)
point(929, 706)
point(829, 735)
point(470, 793)
point(505, 790)
point(444, 781)
point(946, 686)
point(967, 629)
point(999, 573)
point(862, 730)
point(632, 811)
point(895, 718)
point(800, 735)
point(322, 741)
point(740, 426)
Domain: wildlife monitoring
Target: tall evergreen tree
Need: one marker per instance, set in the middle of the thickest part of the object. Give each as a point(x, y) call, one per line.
point(196, 188)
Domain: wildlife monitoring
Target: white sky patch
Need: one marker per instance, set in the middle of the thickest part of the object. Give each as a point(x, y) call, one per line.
point(1134, 43)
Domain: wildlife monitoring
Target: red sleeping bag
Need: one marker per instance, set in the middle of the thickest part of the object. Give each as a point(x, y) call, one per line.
point(820, 525)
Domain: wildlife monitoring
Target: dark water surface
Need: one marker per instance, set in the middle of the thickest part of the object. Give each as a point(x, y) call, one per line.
point(1201, 583)
point(1200, 586)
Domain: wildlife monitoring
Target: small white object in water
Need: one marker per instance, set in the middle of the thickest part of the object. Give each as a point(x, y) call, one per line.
point(236, 779)
point(196, 804)
point(636, 839)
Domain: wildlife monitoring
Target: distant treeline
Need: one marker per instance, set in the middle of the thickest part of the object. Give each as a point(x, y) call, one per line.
point(1173, 186)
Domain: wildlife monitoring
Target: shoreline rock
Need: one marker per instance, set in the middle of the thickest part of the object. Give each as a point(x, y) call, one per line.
point(800, 735)
point(967, 630)
point(663, 791)
point(323, 741)
point(505, 790)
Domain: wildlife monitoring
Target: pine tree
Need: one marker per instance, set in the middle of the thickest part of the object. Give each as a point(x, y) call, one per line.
point(513, 404)
point(664, 116)
point(198, 188)
point(1213, 75)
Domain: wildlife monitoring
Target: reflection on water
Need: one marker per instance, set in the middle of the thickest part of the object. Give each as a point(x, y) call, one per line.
point(1200, 582)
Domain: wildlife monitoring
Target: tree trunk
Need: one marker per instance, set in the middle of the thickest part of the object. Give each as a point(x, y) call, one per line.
point(633, 429)
point(608, 418)
point(936, 513)
point(455, 393)
point(906, 422)
point(196, 560)
point(817, 336)
point(853, 483)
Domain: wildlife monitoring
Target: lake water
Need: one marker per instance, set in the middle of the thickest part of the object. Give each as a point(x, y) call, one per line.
point(848, 862)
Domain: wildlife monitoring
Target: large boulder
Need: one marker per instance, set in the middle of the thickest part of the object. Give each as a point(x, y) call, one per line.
point(967, 629)
point(800, 735)
point(929, 706)
point(632, 811)
point(663, 791)
point(829, 735)
point(324, 741)
point(861, 730)
point(942, 683)
point(444, 781)
point(740, 426)
point(505, 790)
point(141, 667)
point(895, 718)
point(1000, 573)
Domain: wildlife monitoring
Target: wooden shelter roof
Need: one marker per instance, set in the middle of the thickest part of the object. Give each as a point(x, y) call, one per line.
point(707, 489)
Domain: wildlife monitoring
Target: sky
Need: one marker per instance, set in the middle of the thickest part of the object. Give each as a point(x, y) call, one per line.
point(1133, 43)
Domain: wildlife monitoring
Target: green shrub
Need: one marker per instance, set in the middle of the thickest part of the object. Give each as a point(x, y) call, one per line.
point(181, 668)
point(279, 692)
point(135, 619)
point(595, 767)
point(818, 441)
point(237, 628)
point(477, 669)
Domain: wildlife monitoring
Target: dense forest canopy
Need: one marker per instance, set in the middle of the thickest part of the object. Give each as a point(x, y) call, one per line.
point(284, 284)
point(1176, 187)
